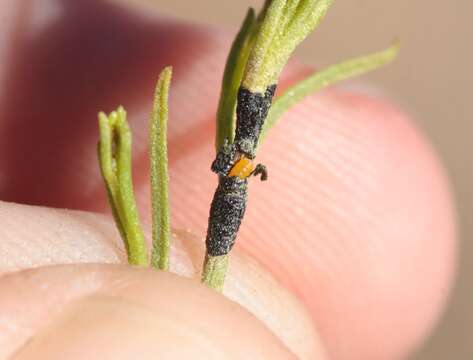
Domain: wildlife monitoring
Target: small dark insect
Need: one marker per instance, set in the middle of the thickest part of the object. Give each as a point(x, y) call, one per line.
point(258, 54)
point(234, 165)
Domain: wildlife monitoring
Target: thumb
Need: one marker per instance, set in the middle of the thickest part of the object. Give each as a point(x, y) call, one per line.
point(111, 311)
point(126, 313)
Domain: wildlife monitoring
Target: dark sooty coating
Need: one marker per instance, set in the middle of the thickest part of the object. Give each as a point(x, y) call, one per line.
point(226, 213)
point(229, 202)
point(252, 110)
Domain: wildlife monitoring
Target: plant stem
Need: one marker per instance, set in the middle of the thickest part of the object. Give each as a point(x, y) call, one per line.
point(114, 152)
point(214, 271)
point(161, 223)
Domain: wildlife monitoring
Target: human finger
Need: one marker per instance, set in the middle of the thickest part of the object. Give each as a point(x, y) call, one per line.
point(34, 296)
point(351, 203)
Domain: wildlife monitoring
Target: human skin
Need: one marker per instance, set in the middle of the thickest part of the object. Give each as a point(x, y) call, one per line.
point(354, 232)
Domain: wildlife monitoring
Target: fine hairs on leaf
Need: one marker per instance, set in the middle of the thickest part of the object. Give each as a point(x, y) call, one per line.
point(232, 76)
point(326, 77)
point(161, 221)
point(286, 25)
point(304, 20)
point(214, 271)
point(114, 150)
point(255, 75)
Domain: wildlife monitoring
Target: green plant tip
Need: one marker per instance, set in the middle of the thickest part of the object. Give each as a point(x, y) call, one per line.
point(114, 152)
point(232, 76)
point(214, 271)
point(161, 222)
point(286, 24)
point(326, 77)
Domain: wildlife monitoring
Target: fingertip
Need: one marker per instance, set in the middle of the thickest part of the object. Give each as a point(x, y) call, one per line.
point(34, 237)
point(364, 217)
point(128, 315)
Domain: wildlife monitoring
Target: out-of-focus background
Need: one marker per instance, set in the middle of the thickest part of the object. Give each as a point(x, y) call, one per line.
point(431, 80)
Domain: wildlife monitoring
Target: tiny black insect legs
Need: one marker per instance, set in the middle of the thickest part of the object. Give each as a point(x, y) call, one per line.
point(230, 199)
point(229, 204)
point(247, 110)
point(269, 39)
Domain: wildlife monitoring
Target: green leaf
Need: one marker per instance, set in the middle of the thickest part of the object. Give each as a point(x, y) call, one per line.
point(305, 20)
point(107, 168)
point(255, 72)
point(161, 222)
point(232, 76)
point(114, 152)
point(288, 14)
point(285, 25)
point(324, 78)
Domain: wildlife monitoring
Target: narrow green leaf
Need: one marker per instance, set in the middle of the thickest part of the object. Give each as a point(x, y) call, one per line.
point(263, 11)
point(105, 149)
point(288, 14)
point(324, 78)
point(130, 217)
point(108, 171)
point(161, 222)
point(308, 16)
point(255, 75)
point(236, 62)
point(114, 152)
point(305, 18)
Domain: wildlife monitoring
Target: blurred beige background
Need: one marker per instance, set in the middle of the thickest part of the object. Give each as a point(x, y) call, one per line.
point(431, 80)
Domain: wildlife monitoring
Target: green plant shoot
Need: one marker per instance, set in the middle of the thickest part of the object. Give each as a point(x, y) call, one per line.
point(161, 222)
point(232, 76)
point(326, 77)
point(114, 152)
